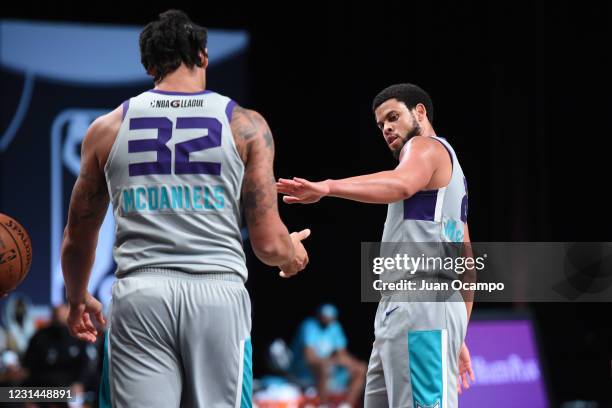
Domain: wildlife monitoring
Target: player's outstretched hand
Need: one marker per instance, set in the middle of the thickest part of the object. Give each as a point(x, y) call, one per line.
point(80, 322)
point(302, 191)
point(300, 259)
point(465, 369)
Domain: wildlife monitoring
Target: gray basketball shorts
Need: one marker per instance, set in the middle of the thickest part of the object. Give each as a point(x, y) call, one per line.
point(414, 361)
point(178, 340)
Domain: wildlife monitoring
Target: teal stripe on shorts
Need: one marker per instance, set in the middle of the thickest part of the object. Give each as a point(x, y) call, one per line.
point(246, 398)
point(426, 368)
point(104, 396)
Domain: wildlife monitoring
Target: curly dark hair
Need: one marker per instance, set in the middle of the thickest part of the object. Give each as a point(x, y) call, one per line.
point(170, 41)
point(410, 94)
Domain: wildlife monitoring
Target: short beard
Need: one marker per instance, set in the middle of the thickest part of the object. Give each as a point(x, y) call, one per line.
point(415, 131)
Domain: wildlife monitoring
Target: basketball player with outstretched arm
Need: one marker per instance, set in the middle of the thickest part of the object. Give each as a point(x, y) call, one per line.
point(419, 358)
point(178, 163)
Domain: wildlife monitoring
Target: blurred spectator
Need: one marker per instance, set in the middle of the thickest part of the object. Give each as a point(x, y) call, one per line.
point(321, 358)
point(11, 372)
point(56, 359)
point(19, 323)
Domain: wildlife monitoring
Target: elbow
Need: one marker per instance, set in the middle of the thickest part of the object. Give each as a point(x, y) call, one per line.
point(405, 191)
point(76, 242)
point(71, 237)
point(70, 246)
point(403, 186)
point(68, 240)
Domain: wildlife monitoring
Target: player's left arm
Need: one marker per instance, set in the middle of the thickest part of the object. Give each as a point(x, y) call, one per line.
point(469, 276)
point(416, 168)
point(466, 371)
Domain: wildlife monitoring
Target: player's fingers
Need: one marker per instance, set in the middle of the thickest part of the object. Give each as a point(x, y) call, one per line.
point(471, 372)
point(89, 326)
point(100, 318)
point(75, 317)
point(303, 234)
point(287, 182)
point(88, 337)
point(291, 199)
point(73, 331)
point(301, 181)
point(283, 188)
point(78, 330)
point(466, 384)
point(94, 307)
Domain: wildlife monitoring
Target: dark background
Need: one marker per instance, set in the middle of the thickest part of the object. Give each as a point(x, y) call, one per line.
point(520, 90)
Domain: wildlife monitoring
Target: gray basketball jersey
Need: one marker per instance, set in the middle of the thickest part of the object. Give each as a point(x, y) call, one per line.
point(174, 177)
point(417, 226)
point(418, 334)
point(431, 215)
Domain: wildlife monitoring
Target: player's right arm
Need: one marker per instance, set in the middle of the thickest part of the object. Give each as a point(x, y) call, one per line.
point(421, 159)
point(88, 206)
point(270, 239)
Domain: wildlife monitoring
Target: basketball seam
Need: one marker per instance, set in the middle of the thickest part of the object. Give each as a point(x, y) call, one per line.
point(16, 246)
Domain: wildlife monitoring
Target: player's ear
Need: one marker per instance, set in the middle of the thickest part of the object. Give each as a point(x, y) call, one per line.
point(204, 58)
point(421, 112)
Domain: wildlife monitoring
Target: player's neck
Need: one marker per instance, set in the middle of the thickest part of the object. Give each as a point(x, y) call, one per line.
point(427, 130)
point(183, 80)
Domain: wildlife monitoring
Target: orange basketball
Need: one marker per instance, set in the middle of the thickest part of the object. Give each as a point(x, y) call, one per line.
point(15, 253)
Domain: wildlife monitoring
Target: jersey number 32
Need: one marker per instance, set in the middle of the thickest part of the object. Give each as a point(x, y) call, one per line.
point(182, 164)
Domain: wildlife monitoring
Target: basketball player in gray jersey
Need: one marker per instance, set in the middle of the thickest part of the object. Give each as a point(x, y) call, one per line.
point(419, 358)
point(178, 163)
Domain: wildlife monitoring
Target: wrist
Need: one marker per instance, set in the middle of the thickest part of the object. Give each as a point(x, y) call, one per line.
point(330, 185)
point(75, 300)
point(287, 263)
point(75, 304)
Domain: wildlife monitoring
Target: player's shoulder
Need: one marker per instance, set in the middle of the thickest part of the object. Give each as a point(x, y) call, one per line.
point(241, 114)
point(108, 120)
point(427, 146)
point(423, 142)
point(247, 123)
point(104, 125)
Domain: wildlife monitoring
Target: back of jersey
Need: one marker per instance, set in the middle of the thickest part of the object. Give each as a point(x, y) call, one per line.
point(175, 177)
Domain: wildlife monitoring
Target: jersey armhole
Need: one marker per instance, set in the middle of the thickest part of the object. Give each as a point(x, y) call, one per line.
point(125, 106)
point(449, 154)
point(229, 110)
